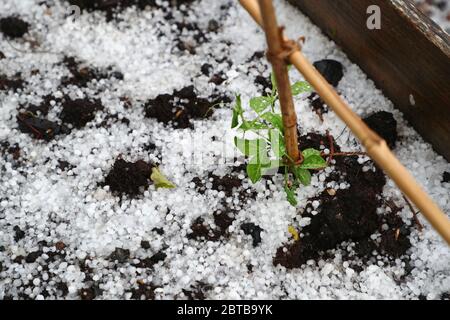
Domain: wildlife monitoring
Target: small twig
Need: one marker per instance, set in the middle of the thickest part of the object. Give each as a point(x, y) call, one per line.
point(278, 50)
point(415, 213)
point(36, 132)
point(349, 154)
point(333, 152)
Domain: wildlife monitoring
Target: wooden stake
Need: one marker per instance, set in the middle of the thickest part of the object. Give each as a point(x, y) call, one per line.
point(376, 147)
point(280, 70)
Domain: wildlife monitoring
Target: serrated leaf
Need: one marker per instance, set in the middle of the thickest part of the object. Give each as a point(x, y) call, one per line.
point(275, 119)
point(301, 87)
point(254, 172)
point(160, 180)
point(259, 104)
point(313, 162)
point(310, 152)
point(302, 175)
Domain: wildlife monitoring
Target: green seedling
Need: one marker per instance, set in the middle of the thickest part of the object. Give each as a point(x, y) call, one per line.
point(266, 151)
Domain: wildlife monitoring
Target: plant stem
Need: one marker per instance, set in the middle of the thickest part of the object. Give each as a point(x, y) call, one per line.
point(276, 49)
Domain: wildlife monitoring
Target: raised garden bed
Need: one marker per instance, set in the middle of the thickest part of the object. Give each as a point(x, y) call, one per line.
point(90, 107)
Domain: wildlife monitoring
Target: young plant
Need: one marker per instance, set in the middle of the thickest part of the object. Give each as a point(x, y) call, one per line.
point(265, 150)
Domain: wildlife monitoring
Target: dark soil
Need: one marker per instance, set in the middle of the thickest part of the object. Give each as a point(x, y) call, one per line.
point(197, 291)
point(42, 108)
point(264, 83)
point(19, 234)
point(316, 141)
point(33, 256)
point(230, 184)
point(159, 231)
point(39, 128)
point(64, 165)
point(120, 255)
point(6, 149)
point(110, 119)
point(113, 6)
point(79, 112)
point(145, 244)
point(82, 75)
point(13, 27)
point(189, 36)
point(2, 55)
point(385, 125)
point(110, 7)
point(446, 177)
point(87, 294)
point(254, 231)
point(318, 105)
point(144, 291)
point(14, 83)
point(129, 178)
point(222, 220)
point(206, 69)
point(179, 108)
point(332, 70)
point(347, 215)
point(151, 261)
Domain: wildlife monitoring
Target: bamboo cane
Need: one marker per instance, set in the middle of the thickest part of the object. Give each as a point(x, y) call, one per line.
point(280, 70)
point(376, 147)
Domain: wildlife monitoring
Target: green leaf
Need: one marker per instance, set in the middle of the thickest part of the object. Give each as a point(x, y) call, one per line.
point(254, 172)
point(251, 148)
point(274, 164)
point(160, 180)
point(237, 111)
point(291, 196)
point(277, 143)
point(301, 87)
point(275, 119)
point(235, 119)
point(253, 125)
point(302, 175)
point(313, 162)
point(238, 105)
point(311, 152)
point(260, 104)
point(274, 82)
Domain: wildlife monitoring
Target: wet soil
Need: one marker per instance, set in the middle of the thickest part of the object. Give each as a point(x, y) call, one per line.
point(331, 70)
point(39, 128)
point(385, 125)
point(223, 219)
point(11, 83)
point(79, 112)
point(82, 75)
point(13, 27)
point(347, 215)
point(129, 178)
point(254, 231)
point(197, 291)
point(179, 108)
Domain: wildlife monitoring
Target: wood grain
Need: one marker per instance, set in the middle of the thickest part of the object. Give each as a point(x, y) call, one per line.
point(409, 58)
